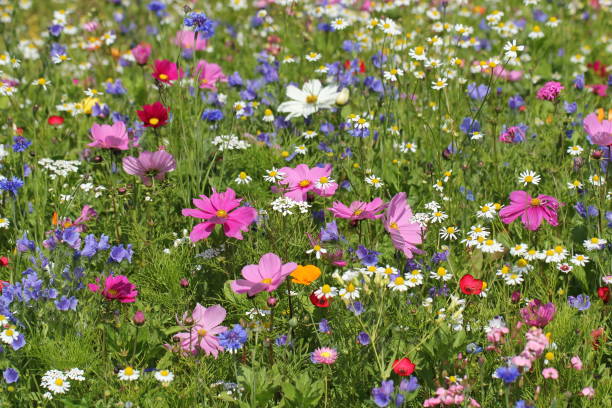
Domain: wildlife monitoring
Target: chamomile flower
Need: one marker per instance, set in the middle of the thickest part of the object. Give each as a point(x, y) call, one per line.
point(594, 244)
point(324, 182)
point(318, 250)
point(393, 74)
point(309, 134)
point(522, 266)
point(243, 178)
point(4, 223)
point(313, 56)
point(533, 254)
point(479, 231)
point(128, 374)
point(273, 175)
point(164, 376)
point(597, 180)
point(42, 82)
point(438, 216)
point(580, 260)
point(374, 181)
point(408, 147)
point(59, 385)
point(339, 23)
point(398, 283)
point(490, 246)
point(513, 279)
point(575, 150)
point(349, 292)
point(93, 92)
point(301, 149)
point(9, 335)
point(512, 49)
point(553, 22)
point(441, 274)
point(487, 211)
point(576, 184)
point(268, 116)
point(449, 233)
point(418, 53)
point(529, 177)
point(414, 278)
point(326, 292)
point(440, 83)
point(518, 250)
point(503, 271)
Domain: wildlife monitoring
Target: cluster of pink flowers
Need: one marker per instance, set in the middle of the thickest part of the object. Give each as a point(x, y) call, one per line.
point(302, 179)
point(495, 336)
point(451, 396)
point(535, 346)
point(550, 91)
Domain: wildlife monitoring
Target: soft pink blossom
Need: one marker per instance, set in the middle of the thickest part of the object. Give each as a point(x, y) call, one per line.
point(268, 275)
point(405, 233)
point(186, 39)
point(576, 363)
point(599, 128)
point(358, 210)
point(531, 210)
point(209, 74)
point(588, 392)
point(202, 335)
point(109, 136)
point(551, 373)
point(149, 165)
point(141, 53)
point(302, 179)
point(220, 208)
point(550, 91)
point(538, 314)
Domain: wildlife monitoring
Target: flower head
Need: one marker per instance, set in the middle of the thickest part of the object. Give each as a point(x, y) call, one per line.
point(109, 136)
point(149, 165)
point(532, 210)
point(268, 275)
point(324, 355)
point(154, 115)
point(203, 334)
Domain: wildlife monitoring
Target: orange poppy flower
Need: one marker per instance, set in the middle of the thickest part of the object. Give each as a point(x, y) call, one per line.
point(305, 275)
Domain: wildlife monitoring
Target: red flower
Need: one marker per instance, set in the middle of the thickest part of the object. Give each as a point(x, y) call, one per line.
point(55, 120)
point(598, 68)
point(155, 115)
point(471, 286)
point(4, 261)
point(403, 367)
point(166, 71)
point(319, 302)
point(595, 336)
point(604, 294)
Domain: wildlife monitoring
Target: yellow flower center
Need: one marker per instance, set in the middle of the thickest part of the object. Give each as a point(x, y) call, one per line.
point(324, 180)
point(393, 225)
point(59, 382)
point(267, 281)
point(164, 373)
point(221, 213)
point(522, 263)
point(529, 179)
point(268, 112)
point(489, 242)
point(202, 332)
point(350, 287)
point(535, 202)
point(326, 354)
point(311, 99)
point(441, 271)
point(242, 175)
point(304, 183)
point(326, 288)
point(559, 249)
point(9, 332)
point(419, 50)
point(317, 248)
point(595, 240)
point(153, 121)
point(399, 280)
point(127, 371)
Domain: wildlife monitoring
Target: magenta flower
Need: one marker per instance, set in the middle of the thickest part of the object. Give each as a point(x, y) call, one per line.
point(220, 208)
point(531, 210)
point(550, 91)
point(358, 210)
point(202, 335)
point(149, 165)
point(598, 128)
point(109, 136)
point(405, 233)
point(268, 275)
point(141, 53)
point(116, 288)
point(324, 355)
point(303, 179)
point(186, 40)
point(209, 74)
point(538, 314)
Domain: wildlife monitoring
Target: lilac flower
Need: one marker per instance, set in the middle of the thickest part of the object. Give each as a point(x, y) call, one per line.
point(10, 375)
point(71, 237)
point(570, 108)
point(24, 244)
point(477, 92)
point(356, 307)
point(469, 126)
point(580, 302)
point(382, 395)
point(410, 384)
point(118, 253)
point(515, 102)
point(579, 81)
point(330, 232)
point(65, 303)
point(366, 256)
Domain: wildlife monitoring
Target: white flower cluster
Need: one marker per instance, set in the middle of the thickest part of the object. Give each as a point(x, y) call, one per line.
point(229, 142)
point(57, 382)
point(284, 205)
point(59, 168)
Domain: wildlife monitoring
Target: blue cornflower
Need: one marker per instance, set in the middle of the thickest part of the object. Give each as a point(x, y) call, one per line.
point(11, 185)
point(200, 24)
point(570, 108)
point(363, 338)
point(507, 374)
point(234, 339)
point(522, 404)
point(55, 30)
point(212, 115)
point(21, 144)
point(366, 256)
point(515, 102)
point(356, 307)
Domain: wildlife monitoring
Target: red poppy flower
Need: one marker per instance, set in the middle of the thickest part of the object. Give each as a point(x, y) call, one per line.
point(403, 367)
point(470, 286)
point(318, 302)
point(155, 115)
point(604, 294)
point(55, 120)
point(4, 261)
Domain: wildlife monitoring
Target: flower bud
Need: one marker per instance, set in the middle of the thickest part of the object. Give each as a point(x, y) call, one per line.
point(343, 97)
point(184, 282)
point(139, 318)
point(272, 301)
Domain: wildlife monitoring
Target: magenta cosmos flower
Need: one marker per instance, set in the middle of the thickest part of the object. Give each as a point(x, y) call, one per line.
point(268, 275)
point(209, 74)
point(116, 288)
point(598, 128)
point(538, 314)
point(202, 335)
point(113, 136)
point(358, 210)
point(303, 179)
point(149, 165)
point(220, 208)
point(405, 233)
point(531, 210)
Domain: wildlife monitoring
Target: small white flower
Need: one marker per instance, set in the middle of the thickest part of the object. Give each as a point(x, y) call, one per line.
point(243, 178)
point(529, 177)
point(164, 376)
point(580, 260)
point(128, 374)
point(317, 250)
point(374, 181)
point(575, 150)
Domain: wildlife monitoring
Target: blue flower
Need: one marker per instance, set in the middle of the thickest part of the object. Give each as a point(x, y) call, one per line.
point(522, 404)
point(234, 339)
point(118, 253)
point(507, 374)
point(516, 101)
point(212, 115)
point(363, 338)
point(324, 326)
point(201, 24)
point(24, 244)
point(477, 92)
point(10, 375)
point(330, 232)
point(356, 307)
point(580, 302)
point(382, 394)
point(410, 384)
point(12, 186)
point(65, 303)
point(56, 30)
point(21, 144)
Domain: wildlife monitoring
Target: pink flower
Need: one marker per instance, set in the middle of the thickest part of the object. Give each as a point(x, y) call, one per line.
point(303, 179)
point(588, 392)
point(202, 335)
point(598, 128)
point(501, 72)
point(185, 39)
point(405, 233)
point(116, 288)
point(149, 165)
point(209, 74)
point(268, 275)
point(220, 208)
point(358, 210)
point(531, 210)
point(550, 373)
point(599, 89)
point(141, 53)
point(550, 91)
point(87, 214)
point(324, 355)
point(538, 314)
point(109, 136)
point(576, 363)
point(496, 334)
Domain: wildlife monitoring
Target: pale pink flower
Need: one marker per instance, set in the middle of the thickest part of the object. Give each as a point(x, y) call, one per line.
point(358, 210)
point(405, 234)
point(149, 165)
point(588, 392)
point(109, 136)
point(551, 373)
point(209, 74)
point(202, 335)
point(576, 363)
point(186, 39)
point(598, 128)
point(267, 276)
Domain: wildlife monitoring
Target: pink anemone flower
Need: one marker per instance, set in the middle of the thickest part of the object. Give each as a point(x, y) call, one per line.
point(202, 335)
point(113, 136)
point(209, 74)
point(149, 165)
point(405, 233)
point(303, 179)
point(531, 210)
point(267, 276)
point(220, 208)
point(358, 210)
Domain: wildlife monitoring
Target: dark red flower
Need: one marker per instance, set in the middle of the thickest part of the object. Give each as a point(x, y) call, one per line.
point(599, 68)
point(322, 302)
point(155, 115)
point(166, 71)
point(55, 120)
point(470, 285)
point(604, 294)
point(403, 367)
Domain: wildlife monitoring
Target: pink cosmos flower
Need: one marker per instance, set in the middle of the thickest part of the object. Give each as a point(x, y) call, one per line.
point(324, 355)
point(538, 314)
point(202, 335)
point(186, 39)
point(220, 208)
point(576, 363)
point(550, 91)
point(109, 136)
point(550, 372)
point(598, 128)
point(512, 76)
point(209, 74)
point(268, 275)
point(303, 179)
point(141, 53)
point(358, 210)
point(531, 210)
point(116, 288)
point(405, 233)
point(149, 165)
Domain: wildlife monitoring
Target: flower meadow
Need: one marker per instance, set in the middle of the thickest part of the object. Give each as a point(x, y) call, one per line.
point(305, 203)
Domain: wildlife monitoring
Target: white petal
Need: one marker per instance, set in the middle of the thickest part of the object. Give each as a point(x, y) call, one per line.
point(296, 94)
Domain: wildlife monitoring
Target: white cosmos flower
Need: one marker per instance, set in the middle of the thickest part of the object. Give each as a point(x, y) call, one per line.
point(308, 100)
